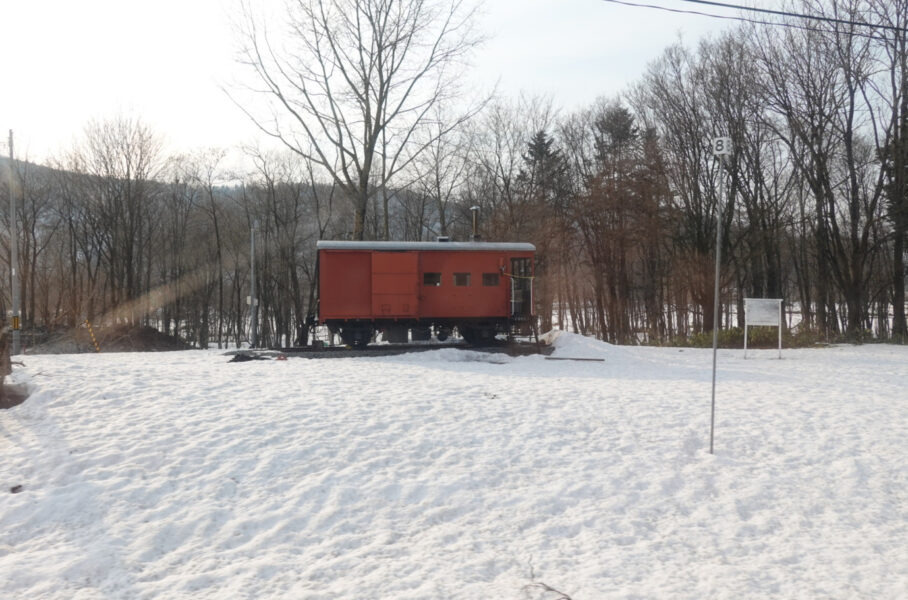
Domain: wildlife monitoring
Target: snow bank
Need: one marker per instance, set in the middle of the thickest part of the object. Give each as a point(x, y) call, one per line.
point(453, 474)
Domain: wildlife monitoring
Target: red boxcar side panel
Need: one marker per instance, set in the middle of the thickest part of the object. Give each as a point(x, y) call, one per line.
point(345, 284)
point(394, 284)
point(474, 300)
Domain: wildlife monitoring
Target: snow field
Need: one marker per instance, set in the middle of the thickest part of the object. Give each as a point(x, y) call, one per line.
point(455, 474)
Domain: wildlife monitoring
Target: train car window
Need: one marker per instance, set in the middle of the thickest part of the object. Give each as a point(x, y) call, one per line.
point(431, 279)
point(520, 267)
point(490, 279)
point(461, 279)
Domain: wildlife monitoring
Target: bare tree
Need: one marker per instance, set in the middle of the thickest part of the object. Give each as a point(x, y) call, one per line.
point(356, 80)
point(820, 84)
point(497, 159)
point(120, 160)
point(676, 97)
point(892, 145)
point(37, 230)
point(203, 171)
point(442, 171)
point(175, 260)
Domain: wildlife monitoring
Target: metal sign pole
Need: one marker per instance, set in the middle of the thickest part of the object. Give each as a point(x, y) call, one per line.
point(721, 148)
point(745, 332)
point(780, 330)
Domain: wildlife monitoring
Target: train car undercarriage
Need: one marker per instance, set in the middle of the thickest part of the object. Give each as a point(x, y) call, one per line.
point(476, 332)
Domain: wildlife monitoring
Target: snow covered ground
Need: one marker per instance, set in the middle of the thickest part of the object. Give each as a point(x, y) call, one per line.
point(454, 474)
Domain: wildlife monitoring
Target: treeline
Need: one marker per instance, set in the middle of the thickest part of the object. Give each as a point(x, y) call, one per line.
point(118, 233)
point(621, 199)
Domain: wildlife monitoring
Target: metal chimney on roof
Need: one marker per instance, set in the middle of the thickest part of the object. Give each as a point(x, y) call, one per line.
point(475, 211)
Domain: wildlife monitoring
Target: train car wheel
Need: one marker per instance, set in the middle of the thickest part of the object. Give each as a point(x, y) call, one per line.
point(356, 336)
point(421, 334)
point(477, 336)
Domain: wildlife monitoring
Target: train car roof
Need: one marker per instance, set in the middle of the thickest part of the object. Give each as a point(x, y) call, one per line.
point(427, 246)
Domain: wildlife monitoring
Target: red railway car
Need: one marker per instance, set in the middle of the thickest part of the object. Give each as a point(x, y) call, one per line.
point(480, 288)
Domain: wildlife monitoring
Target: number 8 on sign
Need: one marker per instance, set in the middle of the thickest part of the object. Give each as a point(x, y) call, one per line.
point(721, 146)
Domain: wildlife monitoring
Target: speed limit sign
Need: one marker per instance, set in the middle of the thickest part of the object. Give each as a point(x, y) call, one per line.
point(721, 146)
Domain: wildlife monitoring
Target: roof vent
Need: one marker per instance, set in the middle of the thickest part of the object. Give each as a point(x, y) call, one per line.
point(442, 238)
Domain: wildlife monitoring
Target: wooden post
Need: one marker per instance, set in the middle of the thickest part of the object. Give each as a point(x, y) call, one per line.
point(6, 366)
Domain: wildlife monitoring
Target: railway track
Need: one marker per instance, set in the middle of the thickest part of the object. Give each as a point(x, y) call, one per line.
point(511, 349)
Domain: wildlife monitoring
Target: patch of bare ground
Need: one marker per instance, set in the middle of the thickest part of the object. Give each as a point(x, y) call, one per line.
point(118, 338)
point(12, 395)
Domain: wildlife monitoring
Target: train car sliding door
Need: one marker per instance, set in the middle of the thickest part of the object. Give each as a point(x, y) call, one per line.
point(395, 284)
point(521, 288)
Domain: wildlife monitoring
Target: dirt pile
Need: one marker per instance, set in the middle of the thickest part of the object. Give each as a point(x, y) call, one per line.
point(119, 338)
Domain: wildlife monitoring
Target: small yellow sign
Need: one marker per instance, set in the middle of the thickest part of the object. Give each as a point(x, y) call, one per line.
point(15, 322)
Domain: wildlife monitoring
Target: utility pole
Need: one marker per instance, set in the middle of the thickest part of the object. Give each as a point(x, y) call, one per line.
point(253, 302)
point(13, 252)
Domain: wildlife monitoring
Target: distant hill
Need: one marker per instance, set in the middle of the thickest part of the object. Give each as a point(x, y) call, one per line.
point(33, 168)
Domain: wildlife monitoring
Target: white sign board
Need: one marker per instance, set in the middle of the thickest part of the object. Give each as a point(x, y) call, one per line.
point(763, 311)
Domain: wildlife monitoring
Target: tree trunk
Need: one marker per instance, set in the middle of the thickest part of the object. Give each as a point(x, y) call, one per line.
point(899, 326)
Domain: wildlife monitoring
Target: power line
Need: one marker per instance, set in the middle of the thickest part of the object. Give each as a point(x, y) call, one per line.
point(747, 20)
point(784, 13)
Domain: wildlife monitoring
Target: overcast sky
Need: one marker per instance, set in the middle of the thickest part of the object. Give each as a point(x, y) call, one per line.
point(66, 62)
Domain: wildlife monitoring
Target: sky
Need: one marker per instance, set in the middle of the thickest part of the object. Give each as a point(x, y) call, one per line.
point(67, 63)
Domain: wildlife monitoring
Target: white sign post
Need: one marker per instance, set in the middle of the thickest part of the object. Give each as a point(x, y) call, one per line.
point(763, 311)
